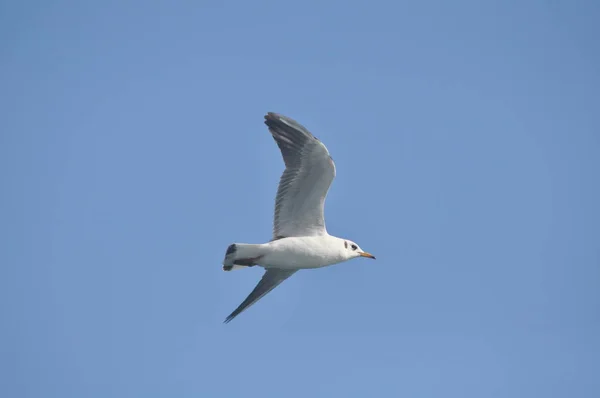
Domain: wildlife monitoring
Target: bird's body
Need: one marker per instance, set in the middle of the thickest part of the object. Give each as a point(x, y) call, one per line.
point(300, 238)
point(302, 252)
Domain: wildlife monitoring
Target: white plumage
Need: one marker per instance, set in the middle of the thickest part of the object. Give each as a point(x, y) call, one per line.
point(300, 238)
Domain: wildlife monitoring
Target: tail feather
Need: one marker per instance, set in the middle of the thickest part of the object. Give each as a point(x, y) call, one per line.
point(233, 267)
point(242, 255)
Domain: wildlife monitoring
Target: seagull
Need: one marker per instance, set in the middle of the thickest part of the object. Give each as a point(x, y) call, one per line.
point(300, 239)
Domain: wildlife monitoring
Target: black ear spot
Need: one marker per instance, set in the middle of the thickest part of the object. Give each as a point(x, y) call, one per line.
point(354, 247)
point(345, 244)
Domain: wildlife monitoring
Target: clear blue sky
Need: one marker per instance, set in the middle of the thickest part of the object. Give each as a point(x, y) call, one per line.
point(133, 152)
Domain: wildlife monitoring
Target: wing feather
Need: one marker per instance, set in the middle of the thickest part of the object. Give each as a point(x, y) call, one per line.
point(269, 281)
point(303, 186)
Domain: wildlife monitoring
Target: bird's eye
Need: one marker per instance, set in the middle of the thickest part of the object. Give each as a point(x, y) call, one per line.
point(354, 247)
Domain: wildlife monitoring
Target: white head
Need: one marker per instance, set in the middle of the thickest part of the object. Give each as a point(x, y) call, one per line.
point(352, 250)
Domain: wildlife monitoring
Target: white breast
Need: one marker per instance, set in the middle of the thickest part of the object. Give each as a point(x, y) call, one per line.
point(303, 252)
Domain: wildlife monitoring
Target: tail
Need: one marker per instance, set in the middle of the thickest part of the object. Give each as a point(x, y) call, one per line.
point(241, 255)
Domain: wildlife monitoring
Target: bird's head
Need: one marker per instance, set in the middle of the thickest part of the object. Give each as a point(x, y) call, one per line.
point(352, 250)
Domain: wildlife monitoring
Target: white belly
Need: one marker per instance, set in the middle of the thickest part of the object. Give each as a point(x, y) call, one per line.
point(301, 252)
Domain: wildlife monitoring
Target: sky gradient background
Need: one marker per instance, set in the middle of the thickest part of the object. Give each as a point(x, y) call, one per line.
point(133, 152)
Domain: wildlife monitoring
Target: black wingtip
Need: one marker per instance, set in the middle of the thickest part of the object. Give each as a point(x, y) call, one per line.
point(230, 318)
point(277, 121)
point(272, 117)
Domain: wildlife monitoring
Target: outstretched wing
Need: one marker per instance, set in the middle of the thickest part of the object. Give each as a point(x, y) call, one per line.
point(309, 171)
point(270, 280)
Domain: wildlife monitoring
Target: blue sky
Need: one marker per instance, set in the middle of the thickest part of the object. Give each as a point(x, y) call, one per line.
point(133, 152)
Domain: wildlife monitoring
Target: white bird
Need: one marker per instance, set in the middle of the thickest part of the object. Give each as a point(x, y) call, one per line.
point(300, 239)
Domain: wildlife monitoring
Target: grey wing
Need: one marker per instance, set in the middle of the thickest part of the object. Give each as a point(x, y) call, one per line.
point(309, 171)
point(270, 280)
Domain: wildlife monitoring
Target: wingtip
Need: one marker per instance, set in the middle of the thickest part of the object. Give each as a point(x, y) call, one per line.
point(273, 120)
point(229, 319)
point(270, 116)
point(277, 121)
